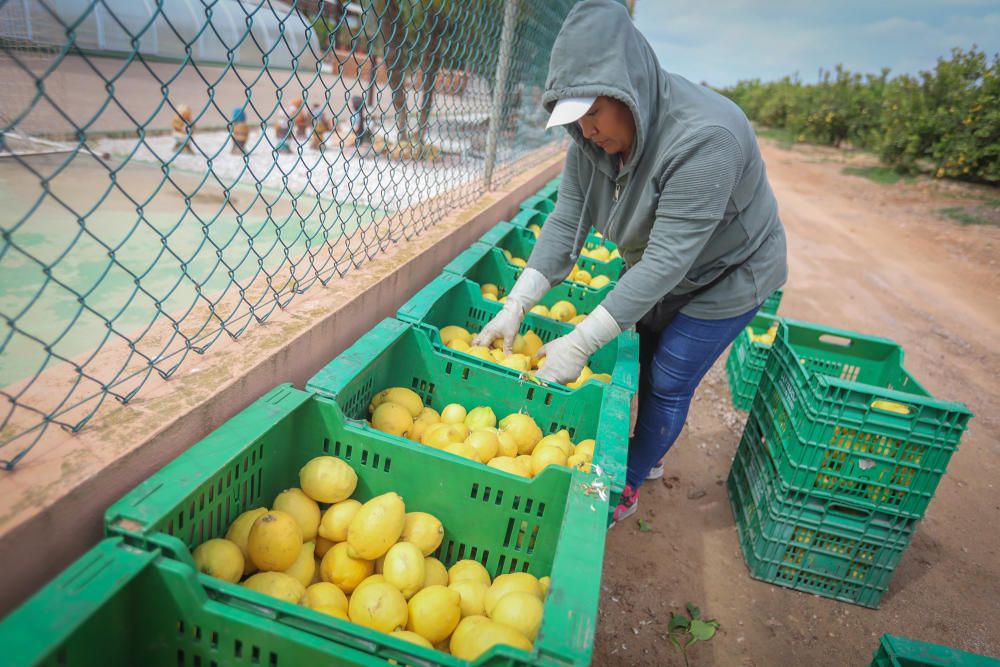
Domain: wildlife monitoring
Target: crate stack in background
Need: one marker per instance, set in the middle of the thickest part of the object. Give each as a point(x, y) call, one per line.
point(896, 651)
point(138, 598)
point(842, 452)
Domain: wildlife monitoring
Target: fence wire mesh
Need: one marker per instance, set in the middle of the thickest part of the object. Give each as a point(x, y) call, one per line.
point(173, 171)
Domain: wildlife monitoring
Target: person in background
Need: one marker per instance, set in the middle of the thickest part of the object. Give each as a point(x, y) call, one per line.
point(182, 129)
point(671, 173)
point(283, 129)
point(359, 124)
point(240, 131)
point(320, 127)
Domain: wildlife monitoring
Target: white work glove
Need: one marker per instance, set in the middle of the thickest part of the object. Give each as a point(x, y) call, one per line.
point(566, 356)
point(530, 287)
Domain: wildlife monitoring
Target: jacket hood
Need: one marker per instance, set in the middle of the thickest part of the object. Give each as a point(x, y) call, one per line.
point(599, 51)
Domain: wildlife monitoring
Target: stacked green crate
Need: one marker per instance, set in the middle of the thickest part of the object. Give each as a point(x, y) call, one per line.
point(518, 242)
point(904, 652)
point(839, 422)
point(772, 302)
point(747, 357)
point(552, 525)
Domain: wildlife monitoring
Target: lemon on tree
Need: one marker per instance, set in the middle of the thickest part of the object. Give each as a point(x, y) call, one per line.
point(327, 479)
point(220, 558)
point(274, 541)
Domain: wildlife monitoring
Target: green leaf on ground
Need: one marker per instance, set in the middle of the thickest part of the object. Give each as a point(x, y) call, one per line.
point(645, 526)
point(677, 622)
point(702, 630)
point(693, 610)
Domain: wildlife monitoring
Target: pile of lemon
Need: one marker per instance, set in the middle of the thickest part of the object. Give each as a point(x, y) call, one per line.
point(370, 563)
point(562, 311)
point(514, 444)
point(522, 357)
point(577, 274)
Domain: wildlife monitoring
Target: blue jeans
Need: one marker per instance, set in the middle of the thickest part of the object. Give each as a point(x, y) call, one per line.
point(671, 365)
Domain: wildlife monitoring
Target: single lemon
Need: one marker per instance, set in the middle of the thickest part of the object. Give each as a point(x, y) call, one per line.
point(392, 418)
point(434, 613)
point(327, 479)
point(435, 573)
point(378, 606)
point(424, 530)
point(468, 569)
point(275, 541)
point(473, 596)
point(220, 558)
point(277, 585)
point(337, 567)
point(304, 567)
point(404, 568)
point(325, 594)
point(515, 582)
point(239, 531)
point(521, 611)
point(336, 519)
point(303, 509)
point(376, 526)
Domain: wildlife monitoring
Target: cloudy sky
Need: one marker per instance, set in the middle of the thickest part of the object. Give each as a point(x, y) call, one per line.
point(723, 41)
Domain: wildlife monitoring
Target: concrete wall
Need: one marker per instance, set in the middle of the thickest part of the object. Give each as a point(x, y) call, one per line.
point(52, 507)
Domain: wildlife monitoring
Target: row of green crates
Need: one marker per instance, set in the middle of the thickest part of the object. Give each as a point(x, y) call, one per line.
point(896, 651)
point(137, 598)
point(520, 241)
point(837, 428)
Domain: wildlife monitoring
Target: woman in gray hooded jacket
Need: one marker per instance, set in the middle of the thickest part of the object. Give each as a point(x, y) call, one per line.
point(670, 172)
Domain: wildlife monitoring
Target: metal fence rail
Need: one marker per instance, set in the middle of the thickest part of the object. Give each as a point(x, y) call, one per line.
point(172, 171)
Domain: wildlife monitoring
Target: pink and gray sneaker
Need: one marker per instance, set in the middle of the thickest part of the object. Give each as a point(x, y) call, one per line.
point(627, 505)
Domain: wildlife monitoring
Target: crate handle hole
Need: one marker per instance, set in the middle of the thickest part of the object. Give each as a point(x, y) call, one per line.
point(839, 341)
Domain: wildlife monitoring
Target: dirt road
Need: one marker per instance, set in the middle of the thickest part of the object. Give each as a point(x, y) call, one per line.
point(871, 258)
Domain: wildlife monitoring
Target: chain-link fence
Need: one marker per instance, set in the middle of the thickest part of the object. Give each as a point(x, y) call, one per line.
point(173, 171)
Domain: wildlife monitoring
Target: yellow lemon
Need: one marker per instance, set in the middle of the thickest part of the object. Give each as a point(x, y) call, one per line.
point(580, 462)
point(274, 541)
point(497, 353)
point(585, 448)
point(429, 415)
point(576, 320)
point(563, 311)
point(330, 610)
point(434, 613)
point(463, 450)
point(302, 508)
point(601, 253)
point(518, 261)
point(515, 582)
point(378, 606)
point(524, 460)
point(239, 531)
point(376, 526)
point(458, 344)
point(277, 585)
point(392, 418)
point(453, 413)
point(435, 573)
point(489, 288)
point(508, 465)
point(544, 457)
point(521, 611)
point(544, 583)
point(412, 637)
point(423, 530)
point(418, 429)
point(220, 558)
point(371, 579)
point(532, 343)
point(336, 519)
point(481, 352)
point(560, 440)
point(304, 567)
point(465, 570)
point(485, 443)
point(403, 396)
point(524, 429)
point(404, 568)
point(480, 634)
point(582, 277)
point(473, 596)
point(480, 417)
point(437, 436)
point(337, 567)
point(450, 333)
point(506, 444)
point(327, 479)
point(540, 310)
point(597, 282)
point(325, 594)
point(518, 362)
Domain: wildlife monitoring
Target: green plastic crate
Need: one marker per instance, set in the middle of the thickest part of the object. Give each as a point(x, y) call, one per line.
point(396, 354)
point(550, 190)
point(520, 242)
point(554, 524)
point(529, 217)
point(121, 606)
point(539, 203)
point(452, 300)
point(830, 548)
point(771, 303)
point(895, 651)
point(829, 395)
point(486, 264)
point(746, 361)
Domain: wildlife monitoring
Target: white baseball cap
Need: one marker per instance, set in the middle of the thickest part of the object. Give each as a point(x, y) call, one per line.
point(569, 109)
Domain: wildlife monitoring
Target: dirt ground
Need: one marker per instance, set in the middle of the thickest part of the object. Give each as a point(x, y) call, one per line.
point(872, 258)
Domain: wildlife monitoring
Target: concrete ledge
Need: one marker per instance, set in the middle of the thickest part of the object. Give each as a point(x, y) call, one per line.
point(52, 506)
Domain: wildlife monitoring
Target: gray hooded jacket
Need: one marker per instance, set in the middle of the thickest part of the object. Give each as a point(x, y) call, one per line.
point(693, 198)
